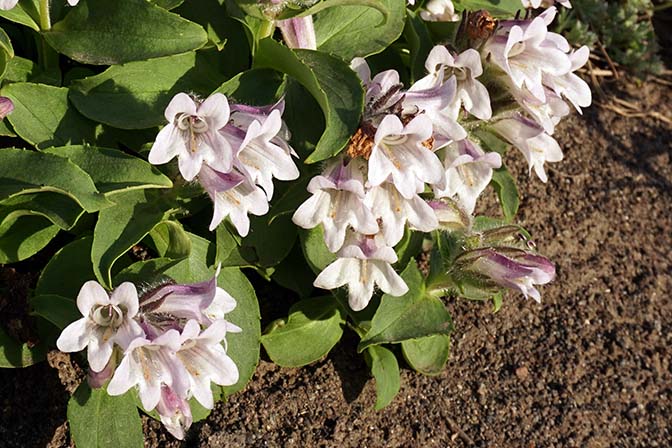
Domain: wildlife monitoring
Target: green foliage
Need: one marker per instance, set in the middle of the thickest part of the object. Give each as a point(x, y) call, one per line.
point(98, 420)
point(623, 27)
point(313, 327)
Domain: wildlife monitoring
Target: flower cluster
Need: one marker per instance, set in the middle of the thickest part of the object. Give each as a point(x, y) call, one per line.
point(233, 150)
point(411, 142)
point(537, 68)
point(169, 340)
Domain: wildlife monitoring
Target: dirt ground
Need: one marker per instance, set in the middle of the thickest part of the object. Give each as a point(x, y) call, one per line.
point(589, 367)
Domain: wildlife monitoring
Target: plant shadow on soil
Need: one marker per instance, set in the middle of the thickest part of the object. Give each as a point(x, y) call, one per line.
point(590, 366)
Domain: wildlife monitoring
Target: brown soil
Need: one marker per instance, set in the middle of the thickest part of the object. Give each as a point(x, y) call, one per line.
point(589, 367)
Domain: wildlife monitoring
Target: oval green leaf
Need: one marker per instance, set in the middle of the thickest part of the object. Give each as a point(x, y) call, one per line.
point(103, 32)
point(314, 326)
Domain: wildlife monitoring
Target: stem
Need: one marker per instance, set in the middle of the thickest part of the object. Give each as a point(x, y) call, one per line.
point(48, 57)
point(45, 19)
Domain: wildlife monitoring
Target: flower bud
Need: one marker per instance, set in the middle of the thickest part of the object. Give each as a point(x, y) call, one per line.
point(510, 268)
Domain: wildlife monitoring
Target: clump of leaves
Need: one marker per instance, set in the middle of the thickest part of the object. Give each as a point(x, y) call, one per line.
point(623, 27)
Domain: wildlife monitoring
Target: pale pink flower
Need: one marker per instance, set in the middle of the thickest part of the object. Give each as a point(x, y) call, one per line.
point(394, 211)
point(205, 360)
point(337, 202)
point(527, 50)
point(439, 11)
point(400, 154)
point(192, 135)
point(536, 145)
point(510, 268)
point(364, 262)
point(466, 67)
point(107, 320)
point(148, 365)
point(234, 195)
point(571, 86)
point(298, 32)
point(468, 172)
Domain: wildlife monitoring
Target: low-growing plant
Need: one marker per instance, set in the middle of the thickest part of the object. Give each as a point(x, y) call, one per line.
point(163, 149)
point(622, 27)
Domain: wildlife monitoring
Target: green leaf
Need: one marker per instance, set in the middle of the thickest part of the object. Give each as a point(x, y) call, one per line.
point(135, 95)
point(67, 271)
point(348, 31)
point(411, 316)
point(295, 274)
point(60, 311)
point(385, 370)
point(243, 347)
point(121, 227)
point(505, 9)
point(313, 327)
point(257, 87)
point(427, 355)
point(409, 246)
point(491, 141)
point(24, 13)
point(58, 208)
point(111, 170)
point(23, 171)
point(170, 240)
point(99, 420)
point(6, 51)
point(167, 4)
point(15, 354)
point(315, 250)
point(379, 5)
point(24, 236)
point(101, 32)
point(335, 87)
point(505, 186)
point(272, 239)
point(43, 117)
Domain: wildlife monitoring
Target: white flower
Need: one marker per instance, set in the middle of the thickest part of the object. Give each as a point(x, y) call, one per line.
point(468, 172)
point(466, 67)
point(546, 113)
point(547, 3)
point(439, 11)
point(337, 202)
point(8, 4)
point(570, 85)
point(537, 146)
point(364, 262)
point(192, 135)
point(394, 211)
point(401, 153)
point(234, 196)
point(526, 51)
point(261, 158)
point(149, 365)
point(205, 360)
point(107, 320)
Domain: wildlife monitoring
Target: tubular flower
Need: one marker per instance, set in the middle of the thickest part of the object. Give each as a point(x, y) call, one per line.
point(439, 11)
point(107, 320)
point(468, 172)
point(510, 268)
point(526, 51)
point(364, 262)
point(192, 135)
point(234, 195)
point(205, 360)
point(466, 67)
point(394, 211)
point(149, 365)
point(400, 153)
point(337, 202)
point(536, 145)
